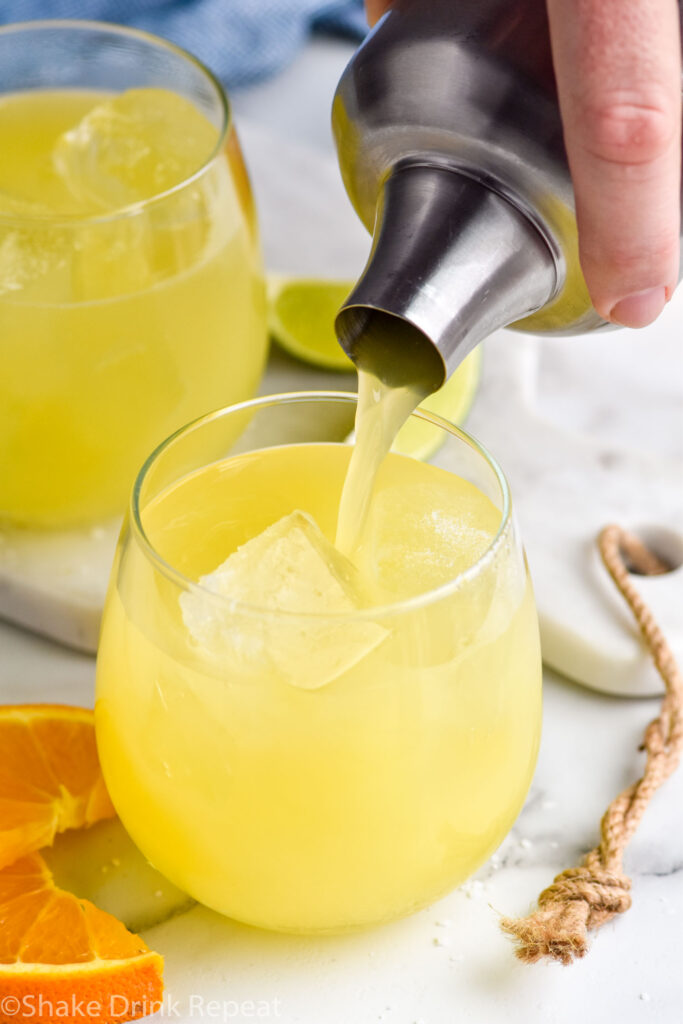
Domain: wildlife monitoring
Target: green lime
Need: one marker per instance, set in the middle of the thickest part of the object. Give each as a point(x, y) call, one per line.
point(453, 401)
point(301, 319)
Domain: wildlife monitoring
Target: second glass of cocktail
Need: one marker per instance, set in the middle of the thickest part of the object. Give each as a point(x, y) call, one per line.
point(131, 290)
point(302, 741)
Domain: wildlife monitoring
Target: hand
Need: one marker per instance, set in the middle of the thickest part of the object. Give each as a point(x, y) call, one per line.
point(618, 70)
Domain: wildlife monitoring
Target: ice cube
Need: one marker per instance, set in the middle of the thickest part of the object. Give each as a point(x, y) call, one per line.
point(423, 535)
point(290, 567)
point(33, 254)
point(16, 206)
point(136, 145)
point(34, 263)
point(112, 259)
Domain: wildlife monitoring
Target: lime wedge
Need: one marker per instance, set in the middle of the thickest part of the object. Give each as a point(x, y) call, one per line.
point(452, 401)
point(301, 319)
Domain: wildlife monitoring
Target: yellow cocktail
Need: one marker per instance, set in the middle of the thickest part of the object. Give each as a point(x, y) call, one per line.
point(131, 292)
point(302, 742)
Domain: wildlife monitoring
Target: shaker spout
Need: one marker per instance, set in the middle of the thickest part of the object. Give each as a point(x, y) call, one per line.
point(451, 261)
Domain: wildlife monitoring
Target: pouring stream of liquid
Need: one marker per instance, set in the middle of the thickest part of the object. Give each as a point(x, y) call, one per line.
point(382, 411)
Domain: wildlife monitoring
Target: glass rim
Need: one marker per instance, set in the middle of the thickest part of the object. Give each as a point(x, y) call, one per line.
point(410, 604)
point(129, 209)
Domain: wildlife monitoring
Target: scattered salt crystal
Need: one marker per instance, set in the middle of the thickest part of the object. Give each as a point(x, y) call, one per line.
point(158, 894)
point(98, 533)
point(549, 805)
point(116, 862)
point(644, 996)
point(526, 844)
point(473, 889)
point(445, 923)
point(438, 941)
point(553, 844)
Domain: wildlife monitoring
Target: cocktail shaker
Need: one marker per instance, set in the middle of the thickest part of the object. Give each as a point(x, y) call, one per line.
point(450, 145)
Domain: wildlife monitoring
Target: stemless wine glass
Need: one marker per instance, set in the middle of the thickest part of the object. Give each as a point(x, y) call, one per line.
point(119, 320)
point(313, 772)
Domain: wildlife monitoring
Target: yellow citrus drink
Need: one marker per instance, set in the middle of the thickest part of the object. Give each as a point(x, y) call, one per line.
point(131, 294)
point(303, 742)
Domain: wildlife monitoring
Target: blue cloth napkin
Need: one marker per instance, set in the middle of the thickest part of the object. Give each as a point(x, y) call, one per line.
point(240, 40)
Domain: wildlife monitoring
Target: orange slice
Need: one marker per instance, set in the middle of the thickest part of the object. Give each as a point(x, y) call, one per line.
point(50, 778)
point(63, 961)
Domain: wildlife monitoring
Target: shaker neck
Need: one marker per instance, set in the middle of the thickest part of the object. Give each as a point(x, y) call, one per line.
point(451, 261)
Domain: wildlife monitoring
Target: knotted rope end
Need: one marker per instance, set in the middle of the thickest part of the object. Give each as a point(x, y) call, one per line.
point(584, 898)
point(578, 900)
point(543, 935)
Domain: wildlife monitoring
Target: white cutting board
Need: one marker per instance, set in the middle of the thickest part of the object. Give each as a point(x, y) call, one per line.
point(567, 484)
point(587, 430)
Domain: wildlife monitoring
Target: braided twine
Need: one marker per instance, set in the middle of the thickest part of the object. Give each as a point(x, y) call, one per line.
point(583, 898)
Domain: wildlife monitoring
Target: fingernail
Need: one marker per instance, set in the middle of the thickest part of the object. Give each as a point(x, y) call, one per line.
point(640, 309)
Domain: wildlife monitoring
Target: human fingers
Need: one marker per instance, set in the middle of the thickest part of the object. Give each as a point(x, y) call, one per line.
point(618, 69)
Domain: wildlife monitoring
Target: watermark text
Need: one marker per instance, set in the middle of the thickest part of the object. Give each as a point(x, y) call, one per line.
point(119, 1007)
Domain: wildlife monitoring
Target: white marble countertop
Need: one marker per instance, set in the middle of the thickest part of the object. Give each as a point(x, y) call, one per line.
point(460, 970)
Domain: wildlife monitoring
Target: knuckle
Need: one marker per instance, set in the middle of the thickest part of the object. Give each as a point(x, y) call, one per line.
point(635, 260)
point(626, 131)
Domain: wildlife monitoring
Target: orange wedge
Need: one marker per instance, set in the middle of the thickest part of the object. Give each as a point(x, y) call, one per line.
point(63, 961)
point(50, 778)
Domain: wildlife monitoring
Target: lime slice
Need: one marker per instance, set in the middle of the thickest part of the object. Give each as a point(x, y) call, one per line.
point(452, 401)
point(301, 319)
